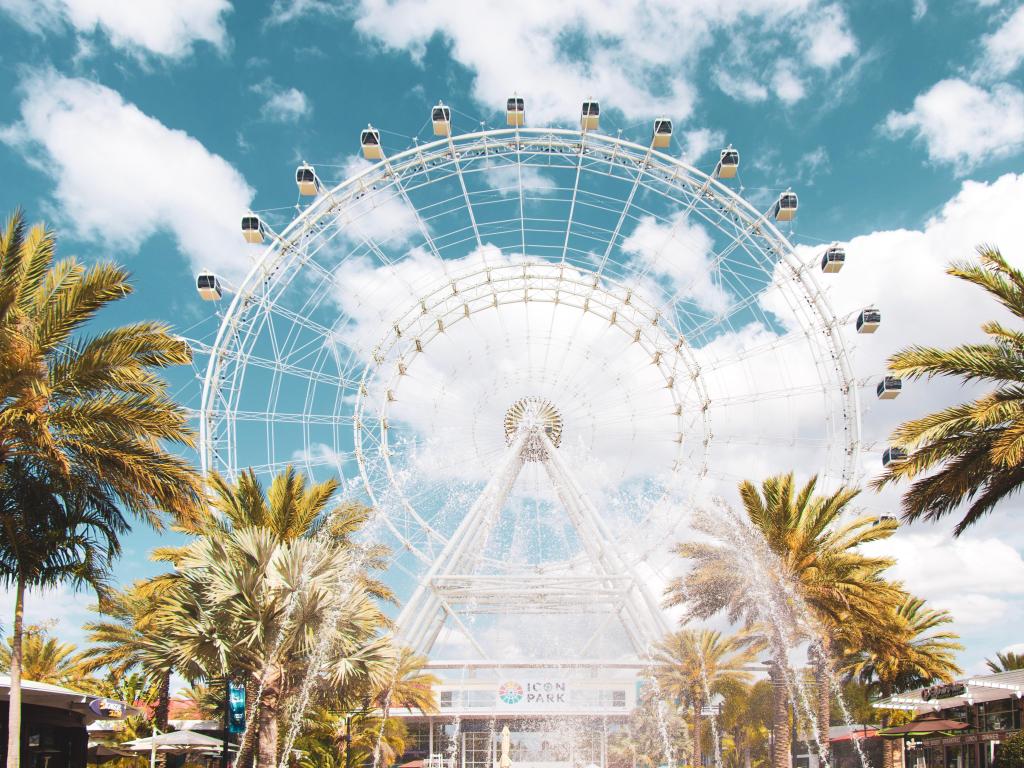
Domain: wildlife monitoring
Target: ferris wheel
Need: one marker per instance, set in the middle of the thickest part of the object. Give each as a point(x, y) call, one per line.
point(531, 350)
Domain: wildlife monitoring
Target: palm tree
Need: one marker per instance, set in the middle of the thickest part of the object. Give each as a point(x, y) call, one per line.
point(972, 452)
point(49, 539)
point(83, 419)
point(818, 568)
point(1006, 662)
point(248, 602)
point(46, 659)
point(908, 649)
point(695, 665)
point(205, 701)
point(129, 640)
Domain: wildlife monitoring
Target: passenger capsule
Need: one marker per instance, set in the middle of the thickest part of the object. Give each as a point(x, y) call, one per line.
point(662, 133)
point(307, 181)
point(515, 112)
point(785, 206)
point(590, 116)
point(369, 139)
point(253, 229)
point(833, 259)
point(868, 320)
point(728, 163)
point(208, 286)
point(889, 388)
point(441, 118)
point(893, 455)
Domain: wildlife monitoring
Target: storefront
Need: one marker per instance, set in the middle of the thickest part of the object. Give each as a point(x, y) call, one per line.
point(960, 724)
point(53, 723)
point(556, 718)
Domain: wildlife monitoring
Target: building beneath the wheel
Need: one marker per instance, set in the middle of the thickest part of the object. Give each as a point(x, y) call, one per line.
point(559, 714)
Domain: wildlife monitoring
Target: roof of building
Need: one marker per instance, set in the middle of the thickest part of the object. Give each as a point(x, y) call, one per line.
point(852, 732)
point(968, 689)
point(57, 697)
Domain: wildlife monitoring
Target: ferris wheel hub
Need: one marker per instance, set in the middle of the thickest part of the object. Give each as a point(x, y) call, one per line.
point(536, 416)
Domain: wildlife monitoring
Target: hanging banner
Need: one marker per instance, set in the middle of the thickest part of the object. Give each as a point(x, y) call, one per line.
point(236, 707)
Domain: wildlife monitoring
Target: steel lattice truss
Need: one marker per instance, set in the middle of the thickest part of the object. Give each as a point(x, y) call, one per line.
point(354, 347)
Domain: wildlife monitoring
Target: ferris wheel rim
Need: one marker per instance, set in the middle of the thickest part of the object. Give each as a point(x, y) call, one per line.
point(274, 255)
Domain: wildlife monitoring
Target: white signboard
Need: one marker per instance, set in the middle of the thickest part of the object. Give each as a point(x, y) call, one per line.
point(533, 694)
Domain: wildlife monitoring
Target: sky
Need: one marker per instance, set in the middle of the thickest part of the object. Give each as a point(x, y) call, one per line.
point(141, 131)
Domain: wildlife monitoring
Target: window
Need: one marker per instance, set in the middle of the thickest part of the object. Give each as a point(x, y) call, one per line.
point(447, 699)
point(1003, 715)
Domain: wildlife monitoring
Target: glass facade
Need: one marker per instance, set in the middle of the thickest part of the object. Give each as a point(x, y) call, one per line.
point(573, 743)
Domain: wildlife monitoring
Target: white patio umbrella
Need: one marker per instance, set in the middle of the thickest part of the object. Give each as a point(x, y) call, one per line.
point(175, 741)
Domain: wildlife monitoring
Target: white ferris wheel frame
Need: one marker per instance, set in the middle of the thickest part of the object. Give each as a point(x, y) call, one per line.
point(694, 192)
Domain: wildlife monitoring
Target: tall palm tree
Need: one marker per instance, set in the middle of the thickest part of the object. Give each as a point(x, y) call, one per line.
point(49, 539)
point(1006, 662)
point(85, 417)
point(695, 665)
point(908, 649)
point(46, 659)
point(817, 566)
point(971, 452)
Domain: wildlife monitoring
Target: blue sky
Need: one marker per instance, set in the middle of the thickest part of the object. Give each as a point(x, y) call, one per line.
point(142, 131)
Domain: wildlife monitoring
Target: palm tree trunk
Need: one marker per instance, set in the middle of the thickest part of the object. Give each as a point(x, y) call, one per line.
point(268, 715)
point(887, 744)
point(821, 660)
point(698, 729)
point(162, 712)
point(14, 712)
point(780, 717)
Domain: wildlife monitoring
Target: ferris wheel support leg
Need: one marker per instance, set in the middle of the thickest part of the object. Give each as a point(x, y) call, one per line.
point(418, 624)
point(640, 605)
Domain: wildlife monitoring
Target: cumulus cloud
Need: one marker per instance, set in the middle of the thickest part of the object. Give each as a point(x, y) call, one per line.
point(281, 105)
point(60, 609)
point(507, 178)
point(1004, 48)
point(828, 39)
point(122, 176)
point(699, 142)
point(167, 28)
point(639, 55)
point(962, 124)
point(740, 87)
point(681, 251)
point(786, 83)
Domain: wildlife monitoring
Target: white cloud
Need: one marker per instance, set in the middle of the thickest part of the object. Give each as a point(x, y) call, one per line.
point(963, 124)
point(122, 176)
point(699, 142)
point(828, 38)
point(1004, 48)
point(506, 178)
point(740, 87)
point(167, 28)
point(920, 8)
point(681, 251)
point(640, 56)
point(379, 215)
point(282, 105)
point(60, 609)
point(786, 84)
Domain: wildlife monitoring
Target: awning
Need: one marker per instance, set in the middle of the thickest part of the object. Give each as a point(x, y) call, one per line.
point(924, 726)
